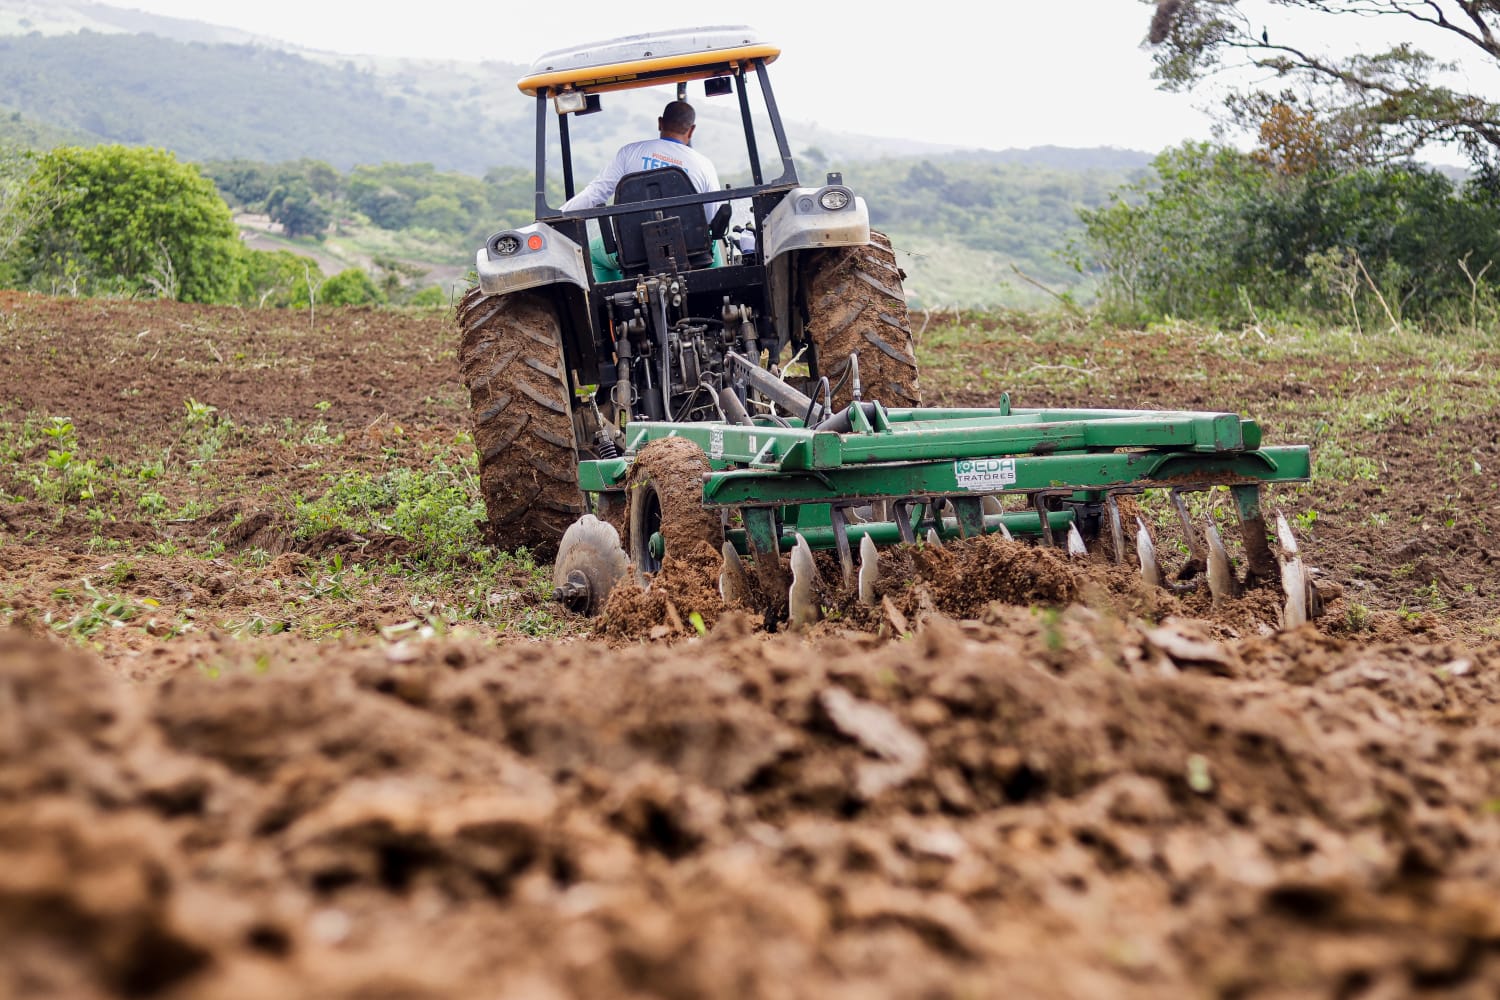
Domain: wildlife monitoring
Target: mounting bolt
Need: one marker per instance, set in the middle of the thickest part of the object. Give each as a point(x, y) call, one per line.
point(575, 593)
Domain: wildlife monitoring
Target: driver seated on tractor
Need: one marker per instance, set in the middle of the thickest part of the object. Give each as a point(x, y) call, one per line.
point(673, 148)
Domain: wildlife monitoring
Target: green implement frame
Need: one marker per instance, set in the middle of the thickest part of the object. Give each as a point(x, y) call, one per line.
point(933, 467)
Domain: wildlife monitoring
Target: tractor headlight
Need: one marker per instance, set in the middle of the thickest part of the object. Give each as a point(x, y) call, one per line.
point(505, 244)
point(570, 102)
point(833, 199)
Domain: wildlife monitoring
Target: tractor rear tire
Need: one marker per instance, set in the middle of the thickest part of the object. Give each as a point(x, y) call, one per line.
point(855, 304)
point(510, 359)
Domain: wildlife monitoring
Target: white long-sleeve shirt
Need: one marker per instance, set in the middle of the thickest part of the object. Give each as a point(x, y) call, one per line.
point(649, 154)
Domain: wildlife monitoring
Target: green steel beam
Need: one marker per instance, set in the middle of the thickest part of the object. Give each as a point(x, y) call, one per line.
point(937, 433)
point(1032, 473)
point(597, 475)
point(968, 451)
point(819, 537)
point(961, 476)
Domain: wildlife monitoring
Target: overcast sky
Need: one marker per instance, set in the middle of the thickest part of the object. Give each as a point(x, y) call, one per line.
point(1009, 73)
point(997, 75)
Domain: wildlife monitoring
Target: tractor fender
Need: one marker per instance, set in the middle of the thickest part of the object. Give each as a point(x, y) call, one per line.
point(513, 260)
point(802, 221)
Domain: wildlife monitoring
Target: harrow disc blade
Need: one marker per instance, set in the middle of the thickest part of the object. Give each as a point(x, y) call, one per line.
point(1284, 535)
point(1145, 550)
point(802, 596)
point(734, 585)
point(1076, 548)
point(869, 570)
point(1294, 582)
point(1222, 582)
point(590, 561)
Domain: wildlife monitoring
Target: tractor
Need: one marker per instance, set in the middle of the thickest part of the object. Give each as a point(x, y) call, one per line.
point(642, 378)
point(559, 353)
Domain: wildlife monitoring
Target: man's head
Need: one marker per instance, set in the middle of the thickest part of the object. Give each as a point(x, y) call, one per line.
point(677, 121)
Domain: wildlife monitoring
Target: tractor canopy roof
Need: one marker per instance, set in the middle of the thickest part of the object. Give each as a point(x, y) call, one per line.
point(643, 60)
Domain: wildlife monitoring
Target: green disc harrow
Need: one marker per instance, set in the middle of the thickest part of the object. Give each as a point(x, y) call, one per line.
point(868, 475)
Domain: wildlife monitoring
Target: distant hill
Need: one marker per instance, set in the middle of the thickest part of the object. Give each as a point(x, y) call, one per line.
point(215, 101)
point(967, 228)
point(58, 17)
point(17, 130)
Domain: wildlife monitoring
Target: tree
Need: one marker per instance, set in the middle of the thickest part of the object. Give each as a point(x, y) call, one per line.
point(325, 181)
point(297, 210)
point(1371, 108)
point(244, 183)
point(406, 195)
point(128, 219)
point(1291, 142)
point(812, 162)
point(440, 213)
point(382, 204)
point(1181, 243)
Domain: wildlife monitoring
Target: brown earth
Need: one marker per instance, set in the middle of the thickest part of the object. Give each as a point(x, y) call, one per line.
point(1021, 776)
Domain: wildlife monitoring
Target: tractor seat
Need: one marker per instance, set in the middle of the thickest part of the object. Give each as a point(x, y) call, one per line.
point(657, 240)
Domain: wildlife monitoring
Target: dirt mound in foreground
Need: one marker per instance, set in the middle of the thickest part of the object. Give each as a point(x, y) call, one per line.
point(1039, 805)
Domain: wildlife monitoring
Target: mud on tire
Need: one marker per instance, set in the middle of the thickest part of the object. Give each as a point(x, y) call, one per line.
point(510, 359)
point(855, 303)
point(665, 493)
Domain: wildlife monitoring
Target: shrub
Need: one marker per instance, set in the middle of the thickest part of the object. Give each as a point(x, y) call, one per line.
point(352, 287)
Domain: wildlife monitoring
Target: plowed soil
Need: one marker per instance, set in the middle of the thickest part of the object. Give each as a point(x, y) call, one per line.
point(1018, 776)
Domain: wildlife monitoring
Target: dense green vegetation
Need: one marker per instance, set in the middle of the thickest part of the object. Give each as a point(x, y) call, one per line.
point(117, 219)
point(1330, 216)
point(306, 196)
point(136, 222)
point(1222, 235)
